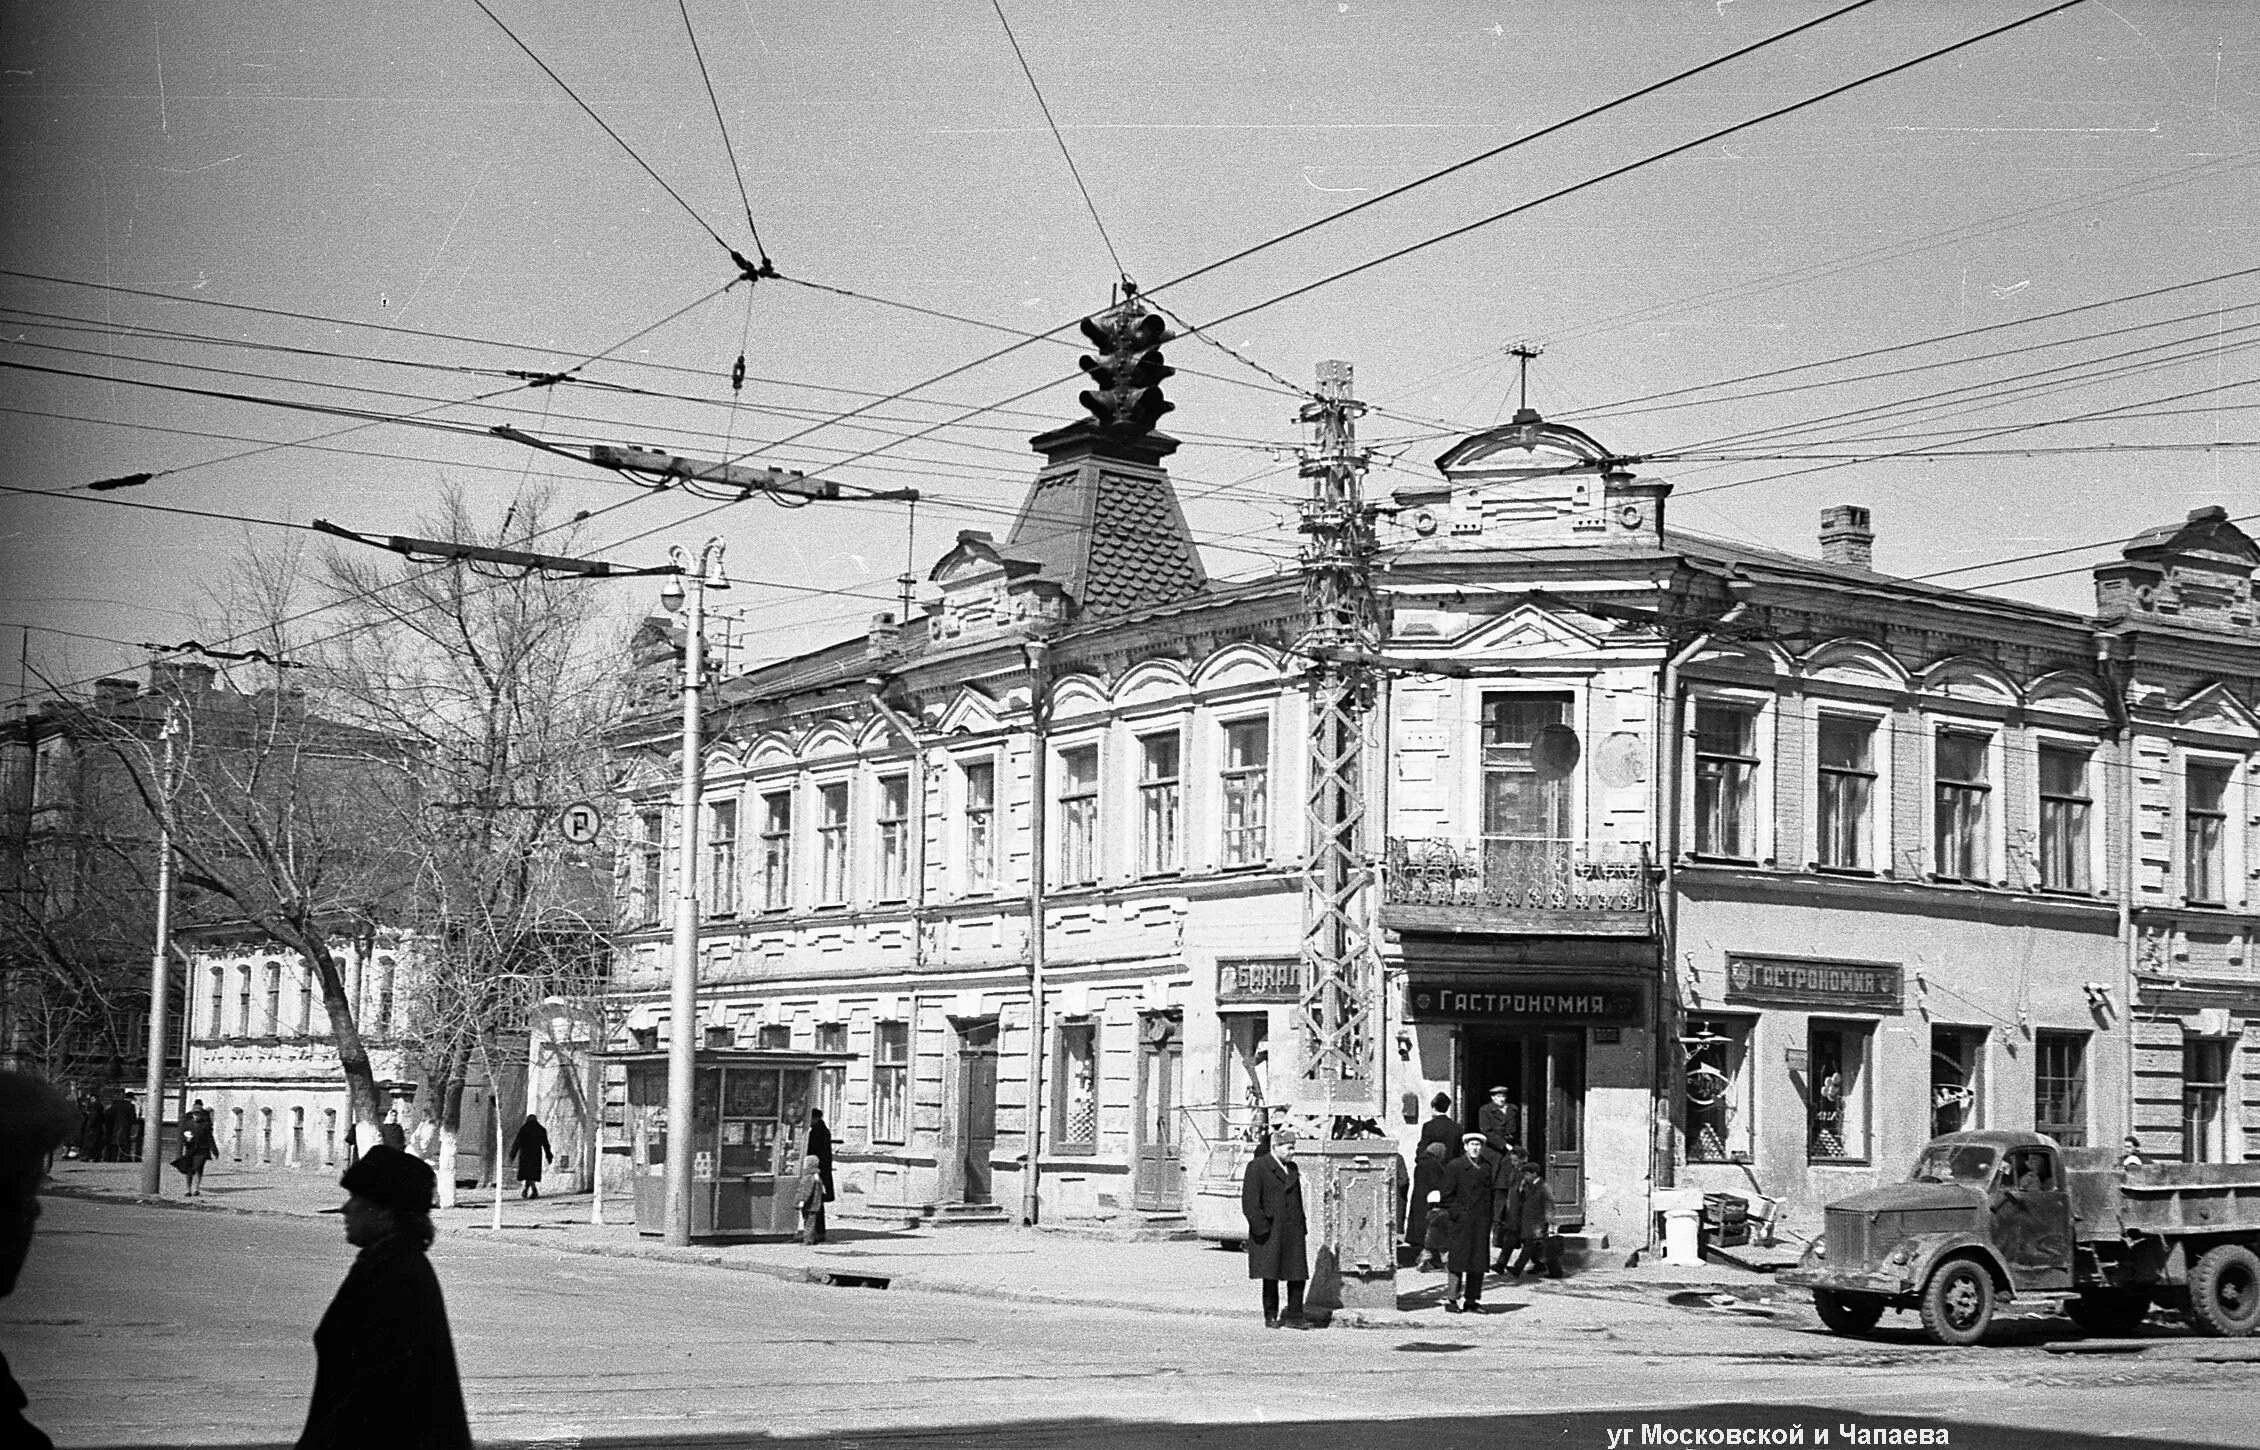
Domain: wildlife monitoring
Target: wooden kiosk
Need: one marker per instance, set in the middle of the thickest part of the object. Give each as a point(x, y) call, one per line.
point(749, 1131)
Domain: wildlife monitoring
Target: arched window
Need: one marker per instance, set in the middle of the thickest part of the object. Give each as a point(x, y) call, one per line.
point(274, 1000)
point(297, 1136)
point(243, 1001)
point(385, 976)
point(305, 1001)
point(213, 1026)
point(235, 1134)
point(329, 1135)
point(266, 1136)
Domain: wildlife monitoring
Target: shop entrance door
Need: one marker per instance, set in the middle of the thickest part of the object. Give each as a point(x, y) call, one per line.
point(1159, 1185)
point(1544, 1075)
point(977, 1100)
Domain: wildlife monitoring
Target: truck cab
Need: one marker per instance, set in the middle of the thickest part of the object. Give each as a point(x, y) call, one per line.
point(1984, 1215)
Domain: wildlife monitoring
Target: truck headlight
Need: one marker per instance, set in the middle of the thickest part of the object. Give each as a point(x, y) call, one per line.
point(1816, 1252)
point(1899, 1256)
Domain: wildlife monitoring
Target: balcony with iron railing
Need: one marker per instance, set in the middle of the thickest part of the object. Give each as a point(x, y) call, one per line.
point(1518, 884)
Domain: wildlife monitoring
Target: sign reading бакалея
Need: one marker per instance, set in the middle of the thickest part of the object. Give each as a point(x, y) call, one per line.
point(1806, 982)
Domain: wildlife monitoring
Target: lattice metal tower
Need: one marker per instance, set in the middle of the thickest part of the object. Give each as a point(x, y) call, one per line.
point(1340, 1001)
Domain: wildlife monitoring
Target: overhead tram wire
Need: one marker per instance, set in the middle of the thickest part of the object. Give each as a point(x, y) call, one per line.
point(737, 172)
point(1066, 155)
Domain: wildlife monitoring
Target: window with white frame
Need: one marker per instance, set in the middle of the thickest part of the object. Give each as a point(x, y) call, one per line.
point(980, 826)
point(2059, 1092)
point(2205, 820)
point(1079, 815)
point(1245, 788)
point(1161, 799)
point(894, 837)
point(2065, 803)
point(644, 903)
point(1962, 804)
point(722, 858)
point(1716, 1084)
point(1837, 1057)
point(2205, 1098)
point(1521, 801)
point(831, 843)
point(1726, 779)
point(777, 850)
point(1075, 1104)
point(890, 1081)
point(1846, 762)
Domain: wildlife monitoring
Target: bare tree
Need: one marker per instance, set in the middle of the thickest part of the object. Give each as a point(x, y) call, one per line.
point(503, 682)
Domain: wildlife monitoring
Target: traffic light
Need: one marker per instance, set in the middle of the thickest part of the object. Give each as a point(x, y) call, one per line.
point(1128, 371)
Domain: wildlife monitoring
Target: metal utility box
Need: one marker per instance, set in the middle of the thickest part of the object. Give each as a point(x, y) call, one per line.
point(1355, 1207)
point(748, 1132)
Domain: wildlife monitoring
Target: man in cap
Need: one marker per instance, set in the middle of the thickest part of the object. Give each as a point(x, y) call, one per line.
point(384, 1371)
point(1466, 1206)
point(1271, 1196)
point(1500, 1122)
point(34, 1121)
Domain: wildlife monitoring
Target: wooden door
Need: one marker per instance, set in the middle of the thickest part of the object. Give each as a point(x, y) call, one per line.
point(977, 1098)
point(1158, 1178)
point(1565, 1124)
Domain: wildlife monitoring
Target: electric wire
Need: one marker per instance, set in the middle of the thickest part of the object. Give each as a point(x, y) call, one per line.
point(1066, 155)
point(737, 173)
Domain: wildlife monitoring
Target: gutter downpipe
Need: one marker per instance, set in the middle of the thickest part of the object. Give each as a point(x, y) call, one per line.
point(1038, 654)
point(1670, 726)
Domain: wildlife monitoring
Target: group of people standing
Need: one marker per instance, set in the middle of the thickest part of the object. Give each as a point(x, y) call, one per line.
point(1479, 1205)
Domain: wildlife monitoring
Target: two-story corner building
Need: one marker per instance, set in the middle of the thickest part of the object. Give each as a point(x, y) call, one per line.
point(1887, 827)
point(1081, 733)
point(2179, 630)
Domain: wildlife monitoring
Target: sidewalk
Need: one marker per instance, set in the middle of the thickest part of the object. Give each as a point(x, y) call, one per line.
point(995, 1262)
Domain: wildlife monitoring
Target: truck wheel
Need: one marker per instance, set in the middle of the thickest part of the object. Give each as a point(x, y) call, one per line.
point(2224, 1292)
point(1958, 1302)
point(2109, 1311)
point(1847, 1313)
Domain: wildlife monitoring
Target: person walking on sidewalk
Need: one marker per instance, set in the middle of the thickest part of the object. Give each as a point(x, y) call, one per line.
point(1535, 1225)
point(1466, 1206)
point(384, 1362)
point(391, 1134)
point(531, 1148)
point(1439, 1139)
point(1506, 1205)
point(808, 1197)
point(1271, 1195)
point(196, 1148)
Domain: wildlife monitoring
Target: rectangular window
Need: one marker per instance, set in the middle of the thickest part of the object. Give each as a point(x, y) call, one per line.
point(1957, 1091)
point(894, 837)
point(213, 1026)
point(1717, 1086)
point(1726, 780)
point(644, 903)
point(890, 1081)
point(722, 858)
point(777, 851)
point(2205, 819)
point(1245, 780)
point(1836, 1056)
point(274, 999)
point(305, 1001)
point(831, 1082)
point(2064, 807)
point(1960, 830)
point(831, 844)
point(1160, 805)
point(981, 826)
point(2205, 1090)
point(774, 1037)
point(1246, 1080)
point(1075, 1120)
point(1847, 781)
point(1524, 798)
point(243, 1001)
point(1079, 816)
point(2059, 1095)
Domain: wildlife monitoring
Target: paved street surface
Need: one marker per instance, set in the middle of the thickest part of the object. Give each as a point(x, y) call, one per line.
point(154, 1324)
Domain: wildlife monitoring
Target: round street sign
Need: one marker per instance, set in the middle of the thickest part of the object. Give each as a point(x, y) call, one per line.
point(579, 823)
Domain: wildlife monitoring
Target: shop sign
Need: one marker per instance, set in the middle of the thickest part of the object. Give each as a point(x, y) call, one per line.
point(1804, 982)
point(1523, 1001)
point(1258, 979)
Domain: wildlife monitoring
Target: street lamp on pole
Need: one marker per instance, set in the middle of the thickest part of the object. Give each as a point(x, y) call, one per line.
point(687, 591)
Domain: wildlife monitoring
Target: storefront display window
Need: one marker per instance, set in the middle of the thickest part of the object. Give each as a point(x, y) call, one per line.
point(1077, 1123)
point(1247, 1074)
point(1717, 1089)
point(1957, 1057)
point(1836, 1055)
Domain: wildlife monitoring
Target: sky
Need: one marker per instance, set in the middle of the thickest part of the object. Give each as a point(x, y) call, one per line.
point(389, 210)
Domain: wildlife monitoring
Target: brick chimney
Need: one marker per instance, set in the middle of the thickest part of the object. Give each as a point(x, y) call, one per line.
point(1846, 537)
point(880, 638)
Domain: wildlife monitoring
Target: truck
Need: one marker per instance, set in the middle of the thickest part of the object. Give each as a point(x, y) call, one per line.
point(2000, 1216)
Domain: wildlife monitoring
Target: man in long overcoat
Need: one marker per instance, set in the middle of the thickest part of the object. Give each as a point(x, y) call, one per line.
point(1506, 1205)
point(530, 1148)
point(384, 1375)
point(1271, 1195)
point(1441, 1131)
point(1466, 1206)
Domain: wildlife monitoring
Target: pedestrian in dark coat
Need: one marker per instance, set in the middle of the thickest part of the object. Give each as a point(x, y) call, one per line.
point(1499, 1121)
point(1506, 1206)
point(196, 1148)
point(1466, 1206)
point(1535, 1227)
point(384, 1376)
point(121, 1122)
point(35, 1120)
point(820, 1148)
point(1441, 1133)
point(531, 1150)
point(1271, 1195)
point(391, 1134)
